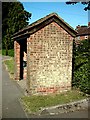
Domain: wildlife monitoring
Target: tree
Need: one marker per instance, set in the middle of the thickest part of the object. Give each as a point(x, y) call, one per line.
point(14, 18)
point(87, 3)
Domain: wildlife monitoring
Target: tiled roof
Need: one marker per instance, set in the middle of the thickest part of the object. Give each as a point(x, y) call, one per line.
point(43, 21)
point(83, 30)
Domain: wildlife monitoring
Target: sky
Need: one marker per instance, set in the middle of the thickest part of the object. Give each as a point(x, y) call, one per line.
point(72, 14)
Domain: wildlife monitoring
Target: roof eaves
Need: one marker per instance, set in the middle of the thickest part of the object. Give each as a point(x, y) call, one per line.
point(34, 23)
point(26, 29)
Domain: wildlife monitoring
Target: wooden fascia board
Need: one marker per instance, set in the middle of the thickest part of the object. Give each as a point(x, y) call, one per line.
point(72, 32)
point(45, 23)
point(34, 29)
point(60, 23)
point(21, 36)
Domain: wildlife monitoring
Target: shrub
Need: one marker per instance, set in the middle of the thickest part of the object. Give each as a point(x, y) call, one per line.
point(81, 67)
point(10, 52)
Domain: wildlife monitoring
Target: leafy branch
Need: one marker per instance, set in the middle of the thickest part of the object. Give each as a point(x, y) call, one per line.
point(73, 2)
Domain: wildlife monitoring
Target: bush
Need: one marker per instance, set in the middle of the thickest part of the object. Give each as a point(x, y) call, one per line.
point(81, 67)
point(81, 79)
point(10, 52)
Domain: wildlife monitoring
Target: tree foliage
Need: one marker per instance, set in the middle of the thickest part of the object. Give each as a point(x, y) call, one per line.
point(73, 2)
point(82, 66)
point(14, 18)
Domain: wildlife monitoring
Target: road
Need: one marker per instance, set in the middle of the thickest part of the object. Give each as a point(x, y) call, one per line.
point(75, 114)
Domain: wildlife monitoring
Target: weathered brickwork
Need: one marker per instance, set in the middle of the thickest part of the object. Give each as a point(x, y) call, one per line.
point(17, 60)
point(49, 65)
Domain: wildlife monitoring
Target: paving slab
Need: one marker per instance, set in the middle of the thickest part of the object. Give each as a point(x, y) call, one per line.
point(11, 107)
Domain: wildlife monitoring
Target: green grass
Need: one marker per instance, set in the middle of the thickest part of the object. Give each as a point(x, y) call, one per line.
point(34, 103)
point(10, 66)
point(0, 52)
point(10, 52)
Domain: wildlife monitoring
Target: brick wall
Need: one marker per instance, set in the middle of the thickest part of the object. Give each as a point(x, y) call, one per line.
point(17, 60)
point(81, 38)
point(49, 65)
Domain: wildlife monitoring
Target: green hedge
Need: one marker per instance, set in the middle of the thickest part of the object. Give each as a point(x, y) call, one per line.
point(82, 67)
point(10, 52)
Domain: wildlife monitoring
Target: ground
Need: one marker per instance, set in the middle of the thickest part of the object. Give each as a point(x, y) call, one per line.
point(11, 107)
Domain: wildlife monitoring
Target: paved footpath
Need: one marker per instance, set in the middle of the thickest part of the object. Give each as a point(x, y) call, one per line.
point(11, 107)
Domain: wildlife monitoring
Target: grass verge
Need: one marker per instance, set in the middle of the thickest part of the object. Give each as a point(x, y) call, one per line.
point(33, 104)
point(0, 52)
point(10, 67)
